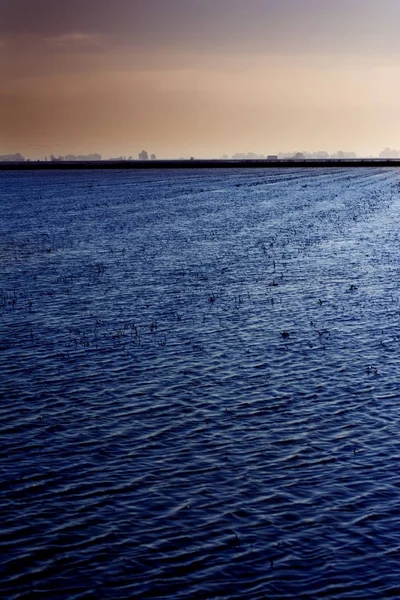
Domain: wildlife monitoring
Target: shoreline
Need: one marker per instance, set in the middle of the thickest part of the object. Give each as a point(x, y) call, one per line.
point(198, 164)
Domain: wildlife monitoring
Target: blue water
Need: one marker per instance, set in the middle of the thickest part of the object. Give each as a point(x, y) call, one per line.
point(199, 379)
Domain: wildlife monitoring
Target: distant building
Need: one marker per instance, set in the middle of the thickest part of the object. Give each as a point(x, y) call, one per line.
point(272, 157)
point(143, 155)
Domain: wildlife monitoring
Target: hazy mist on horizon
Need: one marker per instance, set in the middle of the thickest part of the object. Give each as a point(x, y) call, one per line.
point(198, 77)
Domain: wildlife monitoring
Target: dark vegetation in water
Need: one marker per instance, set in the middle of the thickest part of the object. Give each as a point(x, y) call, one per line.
point(199, 384)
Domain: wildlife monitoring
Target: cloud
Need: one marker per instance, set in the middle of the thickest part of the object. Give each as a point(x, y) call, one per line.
point(74, 40)
point(220, 25)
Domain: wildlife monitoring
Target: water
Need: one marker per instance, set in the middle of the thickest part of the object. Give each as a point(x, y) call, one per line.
point(200, 384)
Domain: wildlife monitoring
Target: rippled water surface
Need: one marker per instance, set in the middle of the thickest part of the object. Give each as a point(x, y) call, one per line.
point(199, 377)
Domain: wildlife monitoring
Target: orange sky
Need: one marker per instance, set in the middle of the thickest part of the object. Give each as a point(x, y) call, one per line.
point(199, 77)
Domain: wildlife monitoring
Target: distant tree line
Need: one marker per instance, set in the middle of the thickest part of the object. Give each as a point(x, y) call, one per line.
point(321, 154)
point(389, 153)
point(143, 155)
point(12, 158)
point(296, 155)
point(75, 157)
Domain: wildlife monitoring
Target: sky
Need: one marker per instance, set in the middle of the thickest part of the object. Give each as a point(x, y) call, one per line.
point(198, 78)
